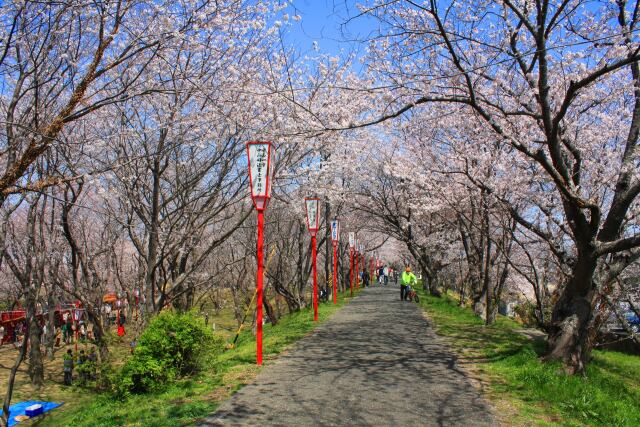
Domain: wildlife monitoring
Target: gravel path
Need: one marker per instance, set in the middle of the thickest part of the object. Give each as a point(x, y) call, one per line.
point(376, 362)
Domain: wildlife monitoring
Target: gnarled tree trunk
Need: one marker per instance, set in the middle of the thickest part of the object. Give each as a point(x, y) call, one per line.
point(569, 338)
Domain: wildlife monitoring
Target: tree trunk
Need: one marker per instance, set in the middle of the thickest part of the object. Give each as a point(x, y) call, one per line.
point(328, 263)
point(12, 379)
point(426, 279)
point(152, 248)
point(497, 292)
point(434, 284)
point(488, 291)
point(478, 292)
point(36, 366)
point(569, 339)
point(540, 317)
point(237, 311)
point(98, 334)
point(299, 264)
point(491, 314)
point(479, 303)
point(268, 308)
point(51, 327)
point(293, 304)
point(278, 306)
point(462, 300)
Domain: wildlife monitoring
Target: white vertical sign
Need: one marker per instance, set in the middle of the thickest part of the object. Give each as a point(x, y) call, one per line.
point(258, 159)
point(334, 230)
point(313, 214)
point(352, 240)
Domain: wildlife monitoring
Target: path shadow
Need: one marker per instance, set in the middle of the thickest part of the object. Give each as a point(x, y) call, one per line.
point(376, 362)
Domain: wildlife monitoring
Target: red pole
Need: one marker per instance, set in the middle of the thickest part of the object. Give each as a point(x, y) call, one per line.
point(357, 271)
point(315, 278)
point(259, 288)
point(371, 268)
point(335, 272)
point(363, 267)
point(351, 270)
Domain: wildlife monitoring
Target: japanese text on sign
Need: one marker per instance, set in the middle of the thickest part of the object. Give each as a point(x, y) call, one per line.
point(312, 213)
point(258, 158)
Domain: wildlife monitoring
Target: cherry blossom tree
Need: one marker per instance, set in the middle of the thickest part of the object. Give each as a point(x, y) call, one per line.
point(554, 82)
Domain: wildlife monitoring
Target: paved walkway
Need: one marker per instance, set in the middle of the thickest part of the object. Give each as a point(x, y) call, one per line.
point(376, 362)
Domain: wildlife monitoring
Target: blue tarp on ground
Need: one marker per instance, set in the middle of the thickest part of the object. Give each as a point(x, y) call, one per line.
point(632, 318)
point(19, 409)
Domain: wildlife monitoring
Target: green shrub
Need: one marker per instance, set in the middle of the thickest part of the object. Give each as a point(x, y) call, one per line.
point(172, 346)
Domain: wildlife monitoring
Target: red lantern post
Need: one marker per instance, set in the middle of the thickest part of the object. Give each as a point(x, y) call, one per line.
point(335, 238)
point(260, 155)
point(358, 263)
point(356, 270)
point(363, 263)
point(76, 318)
point(352, 246)
point(371, 268)
point(313, 223)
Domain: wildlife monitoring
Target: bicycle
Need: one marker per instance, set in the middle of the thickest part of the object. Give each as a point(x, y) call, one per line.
point(412, 295)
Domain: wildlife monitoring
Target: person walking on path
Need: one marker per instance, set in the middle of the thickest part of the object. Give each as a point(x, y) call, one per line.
point(64, 332)
point(407, 279)
point(365, 278)
point(67, 367)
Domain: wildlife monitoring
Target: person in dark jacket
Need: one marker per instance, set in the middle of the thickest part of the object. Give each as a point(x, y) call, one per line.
point(365, 278)
point(92, 364)
point(67, 366)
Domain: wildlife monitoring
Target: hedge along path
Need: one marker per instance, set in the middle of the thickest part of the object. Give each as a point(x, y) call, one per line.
point(374, 362)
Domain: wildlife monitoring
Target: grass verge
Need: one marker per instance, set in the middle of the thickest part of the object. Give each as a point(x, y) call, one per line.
point(186, 401)
point(526, 391)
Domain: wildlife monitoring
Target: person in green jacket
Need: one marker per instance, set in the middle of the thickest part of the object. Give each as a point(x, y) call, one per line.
point(407, 279)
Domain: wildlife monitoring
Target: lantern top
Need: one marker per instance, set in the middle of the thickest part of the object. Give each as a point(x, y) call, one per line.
point(335, 230)
point(260, 155)
point(312, 208)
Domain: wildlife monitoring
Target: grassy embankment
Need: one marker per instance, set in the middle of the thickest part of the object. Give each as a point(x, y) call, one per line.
point(526, 391)
point(187, 400)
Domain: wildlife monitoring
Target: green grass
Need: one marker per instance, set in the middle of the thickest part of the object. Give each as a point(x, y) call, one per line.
point(539, 393)
point(188, 400)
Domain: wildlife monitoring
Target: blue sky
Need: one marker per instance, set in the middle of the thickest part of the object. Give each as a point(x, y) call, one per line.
point(325, 22)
